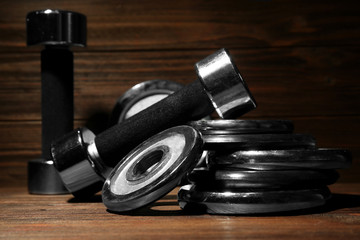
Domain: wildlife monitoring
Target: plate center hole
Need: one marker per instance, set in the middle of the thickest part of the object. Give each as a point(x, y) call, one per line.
point(147, 164)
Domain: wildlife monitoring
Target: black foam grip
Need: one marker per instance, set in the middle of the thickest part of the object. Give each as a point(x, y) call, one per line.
point(57, 101)
point(189, 103)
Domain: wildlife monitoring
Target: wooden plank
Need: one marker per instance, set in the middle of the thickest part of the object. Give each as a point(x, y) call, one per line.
point(286, 82)
point(199, 24)
point(25, 216)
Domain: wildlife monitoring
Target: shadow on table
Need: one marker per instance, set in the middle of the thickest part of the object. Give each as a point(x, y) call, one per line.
point(336, 202)
point(168, 206)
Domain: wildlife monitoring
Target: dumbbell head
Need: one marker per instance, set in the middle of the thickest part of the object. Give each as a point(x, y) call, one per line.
point(43, 178)
point(56, 28)
point(232, 98)
point(80, 175)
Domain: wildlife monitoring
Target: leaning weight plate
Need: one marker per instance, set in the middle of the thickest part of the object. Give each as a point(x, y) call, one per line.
point(152, 169)
point(235, 178)
point(251, 202)
point(226, 126)
point(258, 141)
point(141, 96)
point(284, 159)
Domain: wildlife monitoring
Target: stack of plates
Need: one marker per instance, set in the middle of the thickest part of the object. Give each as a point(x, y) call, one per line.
point(260, 166)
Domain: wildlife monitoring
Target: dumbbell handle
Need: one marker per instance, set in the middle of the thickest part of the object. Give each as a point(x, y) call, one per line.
point(57, 104)
point(189, 103)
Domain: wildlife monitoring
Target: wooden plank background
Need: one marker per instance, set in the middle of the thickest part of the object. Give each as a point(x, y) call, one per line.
point(299, 58)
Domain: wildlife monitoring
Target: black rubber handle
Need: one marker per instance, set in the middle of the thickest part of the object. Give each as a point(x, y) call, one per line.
point(189, 103)
point(57, 101)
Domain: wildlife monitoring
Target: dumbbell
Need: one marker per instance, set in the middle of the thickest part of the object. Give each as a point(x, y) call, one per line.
point(84, 161)
point(57, 31)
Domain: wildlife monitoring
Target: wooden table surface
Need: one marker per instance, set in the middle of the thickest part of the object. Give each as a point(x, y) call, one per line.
point(26, 216)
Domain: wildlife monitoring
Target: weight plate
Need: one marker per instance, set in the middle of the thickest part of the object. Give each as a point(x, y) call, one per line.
point(140, 97)
point(152, 169)
point(258, 141)
point(321, 158)
point(224, 127)
point(251, 202)
point(234, 178)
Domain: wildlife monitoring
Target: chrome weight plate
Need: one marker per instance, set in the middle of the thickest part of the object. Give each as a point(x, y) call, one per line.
point(258, 141)
point(248, 202)
point(226, 126)
point(321, 158)
point(152, 169)
point(235, 178)
point(140, 97)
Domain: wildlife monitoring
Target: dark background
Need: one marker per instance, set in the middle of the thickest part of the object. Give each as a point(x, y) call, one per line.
point(299, 58)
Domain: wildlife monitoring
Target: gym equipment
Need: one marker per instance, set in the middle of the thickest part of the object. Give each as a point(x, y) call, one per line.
point(218, 76)
point(57, 30)
point(152, 169)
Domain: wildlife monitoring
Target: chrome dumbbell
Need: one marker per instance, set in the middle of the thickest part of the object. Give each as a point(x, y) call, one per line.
point(84, 161)
point(57, 31)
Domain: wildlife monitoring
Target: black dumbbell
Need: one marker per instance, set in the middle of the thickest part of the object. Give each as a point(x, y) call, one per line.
point(84, 161)
point(57, 31)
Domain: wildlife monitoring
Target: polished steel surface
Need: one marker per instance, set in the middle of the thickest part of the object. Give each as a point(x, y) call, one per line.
point(321, 158)
point(152, 169)
point(43, 178)
point(224, 85)
point(236, 126)
point(249, 202)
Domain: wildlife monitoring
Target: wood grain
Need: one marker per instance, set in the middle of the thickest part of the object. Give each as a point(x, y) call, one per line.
point(285, 82)
point(200, 24)
point(25, 216)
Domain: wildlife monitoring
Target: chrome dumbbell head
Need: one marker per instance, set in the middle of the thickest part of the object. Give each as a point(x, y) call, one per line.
point(80, 174)
point(230, 98)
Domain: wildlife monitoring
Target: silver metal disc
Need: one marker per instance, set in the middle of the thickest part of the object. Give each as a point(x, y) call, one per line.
point(152, 169)
point(321, 158)
point(225, 126)
point(258, 141)
point(235, 178)
point(247, 202)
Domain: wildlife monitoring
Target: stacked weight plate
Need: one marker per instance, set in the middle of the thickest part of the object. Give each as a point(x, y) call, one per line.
point(259, 167)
